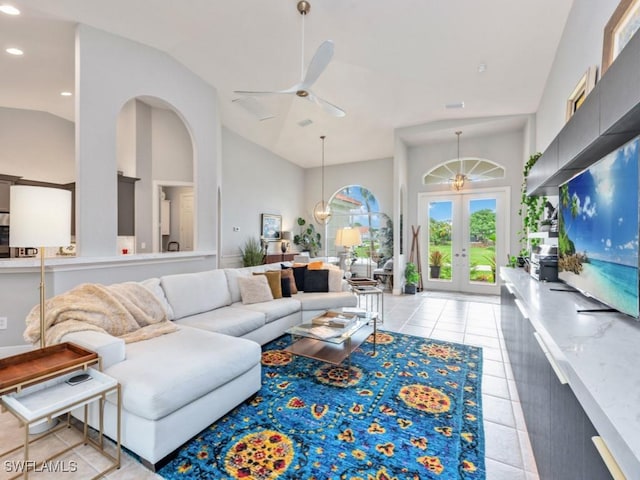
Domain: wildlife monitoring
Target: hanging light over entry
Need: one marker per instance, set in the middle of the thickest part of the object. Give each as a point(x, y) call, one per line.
point(322, 212)
point(459, 179)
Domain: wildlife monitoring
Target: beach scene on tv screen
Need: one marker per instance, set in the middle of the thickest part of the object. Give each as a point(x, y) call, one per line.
point(598, 231)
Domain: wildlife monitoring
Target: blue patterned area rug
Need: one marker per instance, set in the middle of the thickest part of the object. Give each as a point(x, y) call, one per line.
point(411, 411)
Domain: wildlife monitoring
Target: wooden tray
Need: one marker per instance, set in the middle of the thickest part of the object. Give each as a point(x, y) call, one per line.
point(360, 281)
point(31, 367)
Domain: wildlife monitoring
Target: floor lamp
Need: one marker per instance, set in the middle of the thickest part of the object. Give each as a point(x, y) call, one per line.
point(347, 238)
point(40, 217)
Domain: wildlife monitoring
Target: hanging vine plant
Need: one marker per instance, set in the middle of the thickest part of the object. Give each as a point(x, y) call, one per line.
point(531, 207)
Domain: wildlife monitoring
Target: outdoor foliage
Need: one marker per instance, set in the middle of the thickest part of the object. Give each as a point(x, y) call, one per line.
point(439, 231)
point(483, 225)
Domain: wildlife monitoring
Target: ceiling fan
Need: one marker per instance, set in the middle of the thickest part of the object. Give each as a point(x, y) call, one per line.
point(318, 63)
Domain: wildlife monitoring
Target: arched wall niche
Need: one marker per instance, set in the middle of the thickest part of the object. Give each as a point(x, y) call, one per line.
point(155, 145)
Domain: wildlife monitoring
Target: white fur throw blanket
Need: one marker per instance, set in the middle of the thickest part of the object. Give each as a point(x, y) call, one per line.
point(126, 310)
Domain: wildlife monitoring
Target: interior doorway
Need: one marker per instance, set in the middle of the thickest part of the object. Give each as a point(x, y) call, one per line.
point(173, 217)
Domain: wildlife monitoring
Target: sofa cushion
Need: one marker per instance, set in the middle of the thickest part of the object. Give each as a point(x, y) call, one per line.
point(228, 320)
point(316, 281)
point(298, 274)
point(273, 310)
point(191, 293)
point(254, 289)
point(287, 274)
point(232, 282)
point(273, 278)
point(326, 301)
point(335, 279)
point(164, 373)
point(153, 284)
point(285, 285)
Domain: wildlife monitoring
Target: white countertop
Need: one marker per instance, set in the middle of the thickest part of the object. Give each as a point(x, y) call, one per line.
point(598, 352)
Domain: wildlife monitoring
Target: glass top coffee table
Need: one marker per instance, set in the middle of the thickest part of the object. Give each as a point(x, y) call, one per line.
point(330, 344)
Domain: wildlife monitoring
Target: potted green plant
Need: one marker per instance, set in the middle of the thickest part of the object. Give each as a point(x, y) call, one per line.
point(411, 278)
point(435, 263)
point(251, 252)
point(307, 239)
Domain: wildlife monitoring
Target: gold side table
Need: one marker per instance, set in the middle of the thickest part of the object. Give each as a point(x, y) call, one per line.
point(49, 399)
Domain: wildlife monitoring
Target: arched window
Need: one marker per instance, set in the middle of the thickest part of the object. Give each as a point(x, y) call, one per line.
point(473, 169)
point(357, 207)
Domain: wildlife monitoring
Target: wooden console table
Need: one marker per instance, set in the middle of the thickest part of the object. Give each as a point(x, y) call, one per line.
point(279, 257)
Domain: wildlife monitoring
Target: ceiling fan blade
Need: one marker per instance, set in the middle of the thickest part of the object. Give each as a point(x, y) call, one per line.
point(328, 107)
point(318, 63)
point(249, 93)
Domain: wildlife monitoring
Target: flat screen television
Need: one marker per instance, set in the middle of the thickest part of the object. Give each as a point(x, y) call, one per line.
point(598, 230)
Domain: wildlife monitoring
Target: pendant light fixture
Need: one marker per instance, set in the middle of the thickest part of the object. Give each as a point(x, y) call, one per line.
point(458, 181)
point(322, 212)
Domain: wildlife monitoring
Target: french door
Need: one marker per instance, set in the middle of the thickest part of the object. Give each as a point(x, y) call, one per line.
point(463, 237)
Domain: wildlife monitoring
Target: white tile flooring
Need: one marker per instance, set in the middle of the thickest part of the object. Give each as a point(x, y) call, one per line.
point(472, 320)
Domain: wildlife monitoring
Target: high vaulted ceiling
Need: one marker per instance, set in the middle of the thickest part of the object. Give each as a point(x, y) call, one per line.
point(396, 63)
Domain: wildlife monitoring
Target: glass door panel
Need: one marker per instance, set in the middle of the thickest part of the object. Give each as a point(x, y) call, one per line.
point(465, 234)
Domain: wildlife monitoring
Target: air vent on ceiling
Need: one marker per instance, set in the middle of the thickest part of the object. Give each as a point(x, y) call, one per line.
point(454, 105)
point(254, 107)
point(305, 123)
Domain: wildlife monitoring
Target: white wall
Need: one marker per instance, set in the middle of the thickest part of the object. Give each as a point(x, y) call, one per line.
point(580, 47)
point(255, 181)
point(37, 146)
point(504, 148)
point(110, 71)
point(171, 147)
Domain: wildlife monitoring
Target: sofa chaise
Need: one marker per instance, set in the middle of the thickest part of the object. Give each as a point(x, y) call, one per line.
point(175, 385)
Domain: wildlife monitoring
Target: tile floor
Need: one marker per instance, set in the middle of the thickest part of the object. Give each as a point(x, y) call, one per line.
point(472, 320)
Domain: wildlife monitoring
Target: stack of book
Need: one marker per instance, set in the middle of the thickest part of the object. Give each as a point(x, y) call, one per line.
point(334, 320)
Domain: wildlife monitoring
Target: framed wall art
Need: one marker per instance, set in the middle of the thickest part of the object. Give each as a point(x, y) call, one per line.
point(619, 29)
point(580, 92)
point(270, 226)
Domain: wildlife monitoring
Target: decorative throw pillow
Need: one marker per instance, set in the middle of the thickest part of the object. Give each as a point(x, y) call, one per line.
point(298, 275)
point(316, 281)
point(254, 289)
point(285, 284)
point(287, 275)
point(335, 279)
point(318, 265)
point(273, 278)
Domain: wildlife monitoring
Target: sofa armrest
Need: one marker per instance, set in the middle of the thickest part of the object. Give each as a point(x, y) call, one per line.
point(111, 349)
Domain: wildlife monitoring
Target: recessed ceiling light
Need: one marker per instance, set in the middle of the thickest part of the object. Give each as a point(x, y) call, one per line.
point(14, 51)
point(482, 67)
point(9, 10)
point(66, 94)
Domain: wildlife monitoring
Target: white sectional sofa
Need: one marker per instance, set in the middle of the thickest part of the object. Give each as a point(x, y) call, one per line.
point(175, 385)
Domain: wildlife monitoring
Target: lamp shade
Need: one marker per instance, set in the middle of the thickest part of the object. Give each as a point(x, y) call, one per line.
point(40, 217)
point(285, 236)
point(348, 237)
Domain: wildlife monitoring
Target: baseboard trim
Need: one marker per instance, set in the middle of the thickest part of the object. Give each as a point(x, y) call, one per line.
point(14, 350)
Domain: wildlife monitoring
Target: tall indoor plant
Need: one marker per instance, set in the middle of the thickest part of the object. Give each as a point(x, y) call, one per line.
point(307, 238)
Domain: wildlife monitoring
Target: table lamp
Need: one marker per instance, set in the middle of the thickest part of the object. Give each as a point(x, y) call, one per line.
point(347, 238)
point(40, 217)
